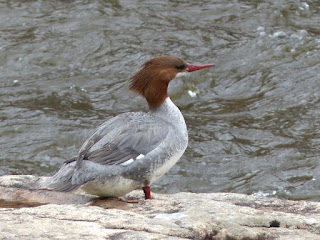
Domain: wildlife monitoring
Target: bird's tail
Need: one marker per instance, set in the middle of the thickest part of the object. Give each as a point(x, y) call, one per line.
point(62, 180)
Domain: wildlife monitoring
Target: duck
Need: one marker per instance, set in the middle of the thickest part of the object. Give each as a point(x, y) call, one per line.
point(134, 149)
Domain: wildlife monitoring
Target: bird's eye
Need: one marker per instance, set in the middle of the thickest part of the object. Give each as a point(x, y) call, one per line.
point(180, 67)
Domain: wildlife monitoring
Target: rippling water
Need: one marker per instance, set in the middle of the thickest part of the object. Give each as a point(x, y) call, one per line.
point(253, 119)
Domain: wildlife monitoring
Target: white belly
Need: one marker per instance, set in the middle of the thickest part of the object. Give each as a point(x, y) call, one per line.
point(110, 188)
point(119, 186)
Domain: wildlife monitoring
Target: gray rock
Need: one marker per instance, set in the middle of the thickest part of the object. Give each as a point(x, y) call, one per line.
point(177, 216)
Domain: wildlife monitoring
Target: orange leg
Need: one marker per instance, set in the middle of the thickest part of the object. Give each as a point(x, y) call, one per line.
point(147, 192)
point(123, 199)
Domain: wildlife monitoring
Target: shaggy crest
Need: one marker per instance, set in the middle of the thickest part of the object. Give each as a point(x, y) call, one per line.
point(152, 80)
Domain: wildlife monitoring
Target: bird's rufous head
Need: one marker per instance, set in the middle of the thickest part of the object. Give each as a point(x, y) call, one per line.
point(152, 80)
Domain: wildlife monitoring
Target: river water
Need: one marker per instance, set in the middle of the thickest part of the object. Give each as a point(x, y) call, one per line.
point(253, 119)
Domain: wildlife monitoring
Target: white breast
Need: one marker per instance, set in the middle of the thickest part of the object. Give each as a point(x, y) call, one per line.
point(166, 166)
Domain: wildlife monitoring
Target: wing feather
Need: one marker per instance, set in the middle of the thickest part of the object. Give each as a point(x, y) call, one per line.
point(124, 137)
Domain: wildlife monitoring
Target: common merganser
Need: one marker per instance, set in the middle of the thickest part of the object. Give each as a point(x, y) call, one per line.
point(132, 150)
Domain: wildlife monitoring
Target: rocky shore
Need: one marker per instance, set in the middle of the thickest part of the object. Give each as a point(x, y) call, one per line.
point(27, 213)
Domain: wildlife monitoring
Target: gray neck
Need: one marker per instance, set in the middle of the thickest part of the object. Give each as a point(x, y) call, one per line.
point(170, 113)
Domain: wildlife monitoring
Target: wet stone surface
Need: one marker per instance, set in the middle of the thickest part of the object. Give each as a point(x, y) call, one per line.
point(219, 216)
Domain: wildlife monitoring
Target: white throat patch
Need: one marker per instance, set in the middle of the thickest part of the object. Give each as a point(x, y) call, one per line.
point(180, 74)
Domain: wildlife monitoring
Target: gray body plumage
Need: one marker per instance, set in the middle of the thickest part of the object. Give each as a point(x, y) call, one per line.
point(129, 151)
